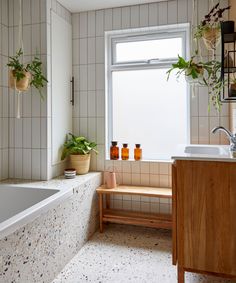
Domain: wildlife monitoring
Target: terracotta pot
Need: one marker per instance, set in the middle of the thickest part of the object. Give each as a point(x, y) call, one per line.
point(21, 85)
point(232, 90)
point(211, 38)
point(80, 163)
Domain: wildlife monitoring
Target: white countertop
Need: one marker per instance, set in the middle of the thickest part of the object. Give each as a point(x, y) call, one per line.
point(224, 154)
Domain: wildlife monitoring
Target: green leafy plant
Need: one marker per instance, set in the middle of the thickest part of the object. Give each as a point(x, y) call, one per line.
point(77, 145)
point(18, 69)
point(211, 20)
point(189, 68)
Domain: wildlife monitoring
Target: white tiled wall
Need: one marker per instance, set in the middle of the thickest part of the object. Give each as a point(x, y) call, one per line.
point(4, 123)
point(89, 70)
point(27, 141)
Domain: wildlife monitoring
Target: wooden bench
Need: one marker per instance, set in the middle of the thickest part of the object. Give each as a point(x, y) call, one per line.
point(154, 220)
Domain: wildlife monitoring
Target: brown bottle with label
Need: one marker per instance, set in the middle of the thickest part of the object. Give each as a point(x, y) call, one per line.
point(137, 152)
point(125, 152)
point(114, 151)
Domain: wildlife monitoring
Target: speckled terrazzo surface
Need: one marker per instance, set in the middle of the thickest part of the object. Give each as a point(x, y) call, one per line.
point(127, 254)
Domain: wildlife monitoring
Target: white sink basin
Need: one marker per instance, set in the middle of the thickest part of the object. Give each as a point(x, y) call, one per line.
point(209, 150)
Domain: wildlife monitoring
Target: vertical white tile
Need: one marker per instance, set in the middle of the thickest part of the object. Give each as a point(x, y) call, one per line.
point(214, 138)
point(100, 103)
point(135, 179)
point(182, 11)
point(35, 8)
point(134, 16)
point(27, 136)
point(26, 11)
point(18, 133)
point(91, 24)
point(203, 130)
point(75, 25)
point(83, 127)
point(91, 50)
point(144, 179)
point(27, 39)
point(203, 101)
point(143, 22)
point(91, 104)
point(18, 163)
point(43, 133)
point(126, 177)
point(36, 132)
point(76, 51)
point(145, 167)
point(162, 13)
point(100, 130)
point(194, 130)
point(172, 12)
point(83, 104)
point(100, 50)
point(125, 17)
point(100, 23)
point(153, 14)
point(27, 164)
point(116, 16)
point(154, 180)
point(92, 129)
point(108, 19)
point(83, 24)
point(83, 49)
point(100, 77)
point(36, 164)
point(83, 71)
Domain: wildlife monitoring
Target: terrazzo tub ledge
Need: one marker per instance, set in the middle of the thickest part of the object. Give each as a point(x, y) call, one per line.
point(44, 224)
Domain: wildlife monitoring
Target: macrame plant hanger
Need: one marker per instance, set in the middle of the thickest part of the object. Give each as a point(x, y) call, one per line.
point(21, 46)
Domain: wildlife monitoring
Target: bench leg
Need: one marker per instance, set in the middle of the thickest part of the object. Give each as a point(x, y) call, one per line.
point(180, 274)
point(101, 212)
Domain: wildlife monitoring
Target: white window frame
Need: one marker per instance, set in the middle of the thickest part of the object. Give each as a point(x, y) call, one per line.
point(111, 64)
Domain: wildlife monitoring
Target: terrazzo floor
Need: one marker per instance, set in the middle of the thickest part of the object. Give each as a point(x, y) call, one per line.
point(127, 254)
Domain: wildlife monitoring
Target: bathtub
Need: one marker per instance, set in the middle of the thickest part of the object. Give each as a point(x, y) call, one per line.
point(20, 205)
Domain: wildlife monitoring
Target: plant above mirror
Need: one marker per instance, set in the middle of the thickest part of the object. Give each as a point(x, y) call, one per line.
point(22, 76)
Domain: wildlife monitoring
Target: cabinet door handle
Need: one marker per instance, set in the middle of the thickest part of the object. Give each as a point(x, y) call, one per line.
point(72, 91)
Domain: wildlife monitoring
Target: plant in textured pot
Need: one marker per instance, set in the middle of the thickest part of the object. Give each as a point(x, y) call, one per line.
point(22, 76)
point(210, 26)
point(79, 149)
point(193, 71)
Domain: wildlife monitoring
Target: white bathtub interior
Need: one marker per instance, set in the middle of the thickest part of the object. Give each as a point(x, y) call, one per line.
point(14, 200)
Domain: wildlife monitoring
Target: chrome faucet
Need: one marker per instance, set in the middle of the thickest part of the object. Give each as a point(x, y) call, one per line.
point(231, 136)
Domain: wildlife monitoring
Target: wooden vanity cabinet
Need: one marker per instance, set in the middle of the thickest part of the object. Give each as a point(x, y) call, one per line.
point(204, 217)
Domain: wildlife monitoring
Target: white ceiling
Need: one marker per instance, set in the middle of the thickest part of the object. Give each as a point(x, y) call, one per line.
point(87, 5)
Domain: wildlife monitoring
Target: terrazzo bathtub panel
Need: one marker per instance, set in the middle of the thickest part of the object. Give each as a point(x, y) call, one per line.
point(38, 251)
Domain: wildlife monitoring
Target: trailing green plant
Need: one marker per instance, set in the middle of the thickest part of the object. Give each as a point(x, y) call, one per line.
point(18, 69)
point(77, 145)
point(211, 21)
point(189, 68)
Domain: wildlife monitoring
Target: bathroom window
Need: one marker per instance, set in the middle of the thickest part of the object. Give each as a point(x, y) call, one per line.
point(142, 106)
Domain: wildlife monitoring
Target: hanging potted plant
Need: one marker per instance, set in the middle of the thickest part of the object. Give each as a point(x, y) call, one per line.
point(210, 27)
point(22, 76)
point(193, 71)
point(79, 149)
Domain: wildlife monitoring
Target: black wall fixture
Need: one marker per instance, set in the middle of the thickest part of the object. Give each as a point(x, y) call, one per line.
point(228, 65)
point(72, 91)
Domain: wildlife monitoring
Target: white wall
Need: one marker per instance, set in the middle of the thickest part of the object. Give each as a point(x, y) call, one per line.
point(88, 69)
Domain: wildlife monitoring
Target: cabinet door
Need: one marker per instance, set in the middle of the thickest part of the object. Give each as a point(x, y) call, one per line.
point(174, 214)
point(206, 210)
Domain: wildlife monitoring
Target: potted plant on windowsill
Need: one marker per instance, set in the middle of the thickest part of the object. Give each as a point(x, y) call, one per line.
point(22, 76)
point(210, 27)
point(79, 149)
point(193, 71)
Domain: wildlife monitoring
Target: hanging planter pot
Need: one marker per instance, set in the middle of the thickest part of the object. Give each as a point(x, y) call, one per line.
point(211, 38)
point(197, 81)
point(19, 85)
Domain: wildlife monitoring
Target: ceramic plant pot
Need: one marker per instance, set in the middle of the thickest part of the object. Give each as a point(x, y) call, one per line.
point(21, 85)
point(211, 38)
point(232, 90)
point(80, 163)
point(198, 80)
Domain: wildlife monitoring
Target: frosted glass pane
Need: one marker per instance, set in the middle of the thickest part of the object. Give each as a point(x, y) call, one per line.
point(149, 49)
point(149, 110)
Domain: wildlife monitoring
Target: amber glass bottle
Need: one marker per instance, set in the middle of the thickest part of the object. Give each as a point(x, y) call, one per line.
point(125, 152)
point(137, 152)
point(114, 151)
